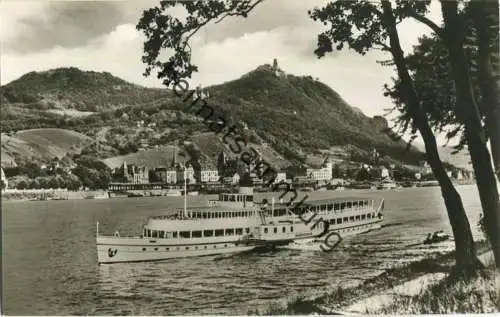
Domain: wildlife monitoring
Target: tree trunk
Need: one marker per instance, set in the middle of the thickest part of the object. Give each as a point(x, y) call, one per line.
point(485, 19)
point(465, 252)
point(468, 112)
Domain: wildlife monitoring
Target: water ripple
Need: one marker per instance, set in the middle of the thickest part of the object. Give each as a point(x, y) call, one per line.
point(50, 258)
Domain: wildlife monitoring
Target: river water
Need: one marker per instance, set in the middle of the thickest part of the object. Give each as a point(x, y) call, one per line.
point(50, 261)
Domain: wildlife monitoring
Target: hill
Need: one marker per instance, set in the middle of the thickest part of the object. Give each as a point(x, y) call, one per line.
point(289, 119)
point(40, 144)
point(461, 159)
point(301, 114)
point(72, 88)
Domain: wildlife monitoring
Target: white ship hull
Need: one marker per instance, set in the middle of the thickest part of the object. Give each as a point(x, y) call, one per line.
point(234, 224)
point(318, 244)
point(111, 249)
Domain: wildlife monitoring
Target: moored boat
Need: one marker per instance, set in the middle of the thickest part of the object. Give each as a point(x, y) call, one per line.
point(387, 184)
point(436, 237)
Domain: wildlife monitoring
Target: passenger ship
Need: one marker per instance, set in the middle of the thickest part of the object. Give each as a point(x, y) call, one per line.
point(235, 223)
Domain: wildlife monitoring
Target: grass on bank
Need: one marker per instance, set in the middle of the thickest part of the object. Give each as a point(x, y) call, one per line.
point(455, 297)
point(478, 295)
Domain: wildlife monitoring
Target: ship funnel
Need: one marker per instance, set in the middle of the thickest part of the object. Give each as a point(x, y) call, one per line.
point(246, 190)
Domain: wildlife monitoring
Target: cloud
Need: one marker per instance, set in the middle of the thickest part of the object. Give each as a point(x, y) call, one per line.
point(38, 26)
point(102, 37)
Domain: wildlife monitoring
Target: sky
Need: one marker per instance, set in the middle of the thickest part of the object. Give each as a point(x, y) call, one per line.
point(101, 36)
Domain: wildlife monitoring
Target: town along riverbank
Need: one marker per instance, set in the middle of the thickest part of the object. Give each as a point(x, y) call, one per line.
point(421, 287)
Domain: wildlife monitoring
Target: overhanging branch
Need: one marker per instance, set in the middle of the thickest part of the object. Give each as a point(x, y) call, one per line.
point(439, 31)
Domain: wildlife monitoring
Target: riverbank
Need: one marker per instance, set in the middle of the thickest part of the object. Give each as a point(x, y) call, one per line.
point(51, 194)
point(422, 287)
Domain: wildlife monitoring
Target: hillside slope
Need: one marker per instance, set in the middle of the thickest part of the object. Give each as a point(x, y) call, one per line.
point(40, 144)
point(288, 118)
point(302, 113)
point(72, 88)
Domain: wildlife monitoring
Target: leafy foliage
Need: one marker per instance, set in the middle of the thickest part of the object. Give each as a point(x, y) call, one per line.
point(164, 31)
point(429, 64)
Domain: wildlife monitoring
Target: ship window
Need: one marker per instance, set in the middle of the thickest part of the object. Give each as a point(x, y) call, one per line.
point(187, 248)
point(249, 198)
point(339, 221)
point(291, 229)
point(363, 217)
point(232, 198)
point(239, 231)
point(349, 205)
point(174, 234)
point(247, 230)
point(358, 217)
point(373, 215)
point(196, 234)
point(143, 249)
point(332, 221)
point(149, 233)
point(185, 234)
point(342, 205)
point(155, 234)
point(369, 216)
point(275, 230)
point(265, 230)
point(204, 215)
point(351, 218)
point(225, 245)
point(162, 234)
point(355, 204)
point(336, 207)
point(145, 233)
point(205, 246)
point(330, 206)
point(284, 229)
point(229, 232)
point(219, 232)
point(167, 249)
point(156, 249)
point(208, 233)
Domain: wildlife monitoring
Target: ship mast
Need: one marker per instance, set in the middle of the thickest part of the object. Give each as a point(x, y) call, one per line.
point(185, 193)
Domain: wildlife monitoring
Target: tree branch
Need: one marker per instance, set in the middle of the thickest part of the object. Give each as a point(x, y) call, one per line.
point(244, 13)
point(384, 47)
point(439, 31)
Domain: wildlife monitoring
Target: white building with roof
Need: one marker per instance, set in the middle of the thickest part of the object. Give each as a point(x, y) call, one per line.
point(4, 180)
point(322, 174)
